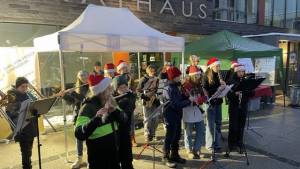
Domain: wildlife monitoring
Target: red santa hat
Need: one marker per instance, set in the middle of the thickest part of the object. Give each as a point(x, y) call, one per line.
point(121, 64)
point(233, 63)
point(239, 67)
point(173, 72)
point(109, 68)
point(98, 83)
point(194, 70)
point(213, 62)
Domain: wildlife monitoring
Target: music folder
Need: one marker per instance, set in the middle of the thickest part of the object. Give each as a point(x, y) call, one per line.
point(249, 84)
point(42, 106)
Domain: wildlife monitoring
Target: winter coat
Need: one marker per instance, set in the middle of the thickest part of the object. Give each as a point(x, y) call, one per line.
point(212, 88)
point(173, 110)
point(101, 135)
point(12, 109)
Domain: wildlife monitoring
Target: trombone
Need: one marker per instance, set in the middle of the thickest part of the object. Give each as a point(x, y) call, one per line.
point(5, 99)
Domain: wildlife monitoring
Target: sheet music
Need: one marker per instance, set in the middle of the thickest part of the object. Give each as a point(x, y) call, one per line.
point(221, 92)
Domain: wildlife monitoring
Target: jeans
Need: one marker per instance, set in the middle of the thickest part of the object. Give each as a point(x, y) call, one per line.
point(26, 151)
point(173, 135)
point(151, 125)
point(79, 147)
point(199, 137)
point(214, 121)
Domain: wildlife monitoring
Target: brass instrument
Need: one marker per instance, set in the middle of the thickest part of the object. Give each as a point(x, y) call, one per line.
point(5, 99)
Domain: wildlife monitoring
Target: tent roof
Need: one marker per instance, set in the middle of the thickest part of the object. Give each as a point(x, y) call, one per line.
point(106, 29)
point(228, 45)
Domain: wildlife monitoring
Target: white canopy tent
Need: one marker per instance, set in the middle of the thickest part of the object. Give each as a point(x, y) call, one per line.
point(106, 29)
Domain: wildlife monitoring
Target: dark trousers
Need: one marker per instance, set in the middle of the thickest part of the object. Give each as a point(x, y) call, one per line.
point(26, 151)
point(173, 134)
point(126, 157)
point(237, 121)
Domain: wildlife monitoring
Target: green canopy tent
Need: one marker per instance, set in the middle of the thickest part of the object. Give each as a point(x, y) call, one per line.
point(227, 45)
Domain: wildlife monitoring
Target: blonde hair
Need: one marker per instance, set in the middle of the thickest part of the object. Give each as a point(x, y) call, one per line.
point(149, 68)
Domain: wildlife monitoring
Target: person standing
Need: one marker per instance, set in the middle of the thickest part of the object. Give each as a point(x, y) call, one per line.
point(147, 88)
point(193, 114)
point(98, 124)
point(80, 93)
point(194, 61)
point(172, 117)
point(230, 72)
point(212, 80)
point(123, 70)
point(25, 138)
point(126, 101)
point(238, 100)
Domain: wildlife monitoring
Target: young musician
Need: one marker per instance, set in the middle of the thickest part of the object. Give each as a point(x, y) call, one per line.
point(147, 87)
point(123, 70)
point(212, 80)
point(238, 101)
point(126, 101)
point(109, 70)
point(193, 114)
point(26, 136)
point(97, 123)
point(172, 117)
point(79, 95)
point(230, 72)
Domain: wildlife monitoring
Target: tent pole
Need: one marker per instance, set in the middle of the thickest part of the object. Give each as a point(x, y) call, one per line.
point(164, 55)
point(63, 87)
point(182, 62)
point(139, 65)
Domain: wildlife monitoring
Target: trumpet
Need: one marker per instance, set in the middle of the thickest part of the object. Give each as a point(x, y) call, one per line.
point(6, 99)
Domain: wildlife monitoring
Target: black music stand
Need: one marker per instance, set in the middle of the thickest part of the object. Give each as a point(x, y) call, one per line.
point(34, 110)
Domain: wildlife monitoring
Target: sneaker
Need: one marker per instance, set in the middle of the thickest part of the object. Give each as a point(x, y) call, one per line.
point(190, 154)
point(77, 164)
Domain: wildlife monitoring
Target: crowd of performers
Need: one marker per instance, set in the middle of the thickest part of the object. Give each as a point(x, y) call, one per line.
point(104, 102)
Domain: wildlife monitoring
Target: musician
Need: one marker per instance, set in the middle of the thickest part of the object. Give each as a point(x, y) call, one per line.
point(194, 61)
point(147, 87)
point(80, 93)
point(230, 72)
point(211, 81)
point(193, 114)
point(123, 70)
point(109, 70)
point(172, 117)
point(26, 136)
point(238, 101)
point(97, 124)
point(126, 101)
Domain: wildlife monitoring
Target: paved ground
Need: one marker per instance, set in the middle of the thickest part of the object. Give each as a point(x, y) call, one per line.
point(274, 144)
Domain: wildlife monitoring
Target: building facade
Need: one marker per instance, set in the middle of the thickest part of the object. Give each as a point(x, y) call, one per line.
point(23, 20)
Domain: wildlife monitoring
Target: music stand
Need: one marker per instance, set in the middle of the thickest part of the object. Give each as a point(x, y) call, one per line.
point(31, 110)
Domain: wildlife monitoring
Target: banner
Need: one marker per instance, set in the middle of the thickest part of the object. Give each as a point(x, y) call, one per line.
point(266, 67)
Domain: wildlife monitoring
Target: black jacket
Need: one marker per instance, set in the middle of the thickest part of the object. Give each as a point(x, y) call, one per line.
point(102, 146)
point(212, 88)
point(127, 104)
point(12, 109)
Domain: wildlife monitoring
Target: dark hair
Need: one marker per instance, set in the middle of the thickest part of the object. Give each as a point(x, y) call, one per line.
point(20, 81)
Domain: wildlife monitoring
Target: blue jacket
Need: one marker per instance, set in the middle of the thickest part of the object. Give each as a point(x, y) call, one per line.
point(173, 111)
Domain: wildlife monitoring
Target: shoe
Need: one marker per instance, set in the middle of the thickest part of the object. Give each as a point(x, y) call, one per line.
point(195, 155)
point(167, 161)
point(190, 154)
point(175, 157)
point(77, 164)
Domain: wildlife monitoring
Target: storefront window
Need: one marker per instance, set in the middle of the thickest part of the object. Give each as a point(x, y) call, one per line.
point(278, 19)
point(230, 10)
point(268, 12)
point(251, 11)
point(290, 13)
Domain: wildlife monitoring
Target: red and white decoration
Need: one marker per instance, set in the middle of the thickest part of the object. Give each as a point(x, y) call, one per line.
point(213, 62)
point(109, 68)
point(194, 70)
point(98, 83)
point(121, 64)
